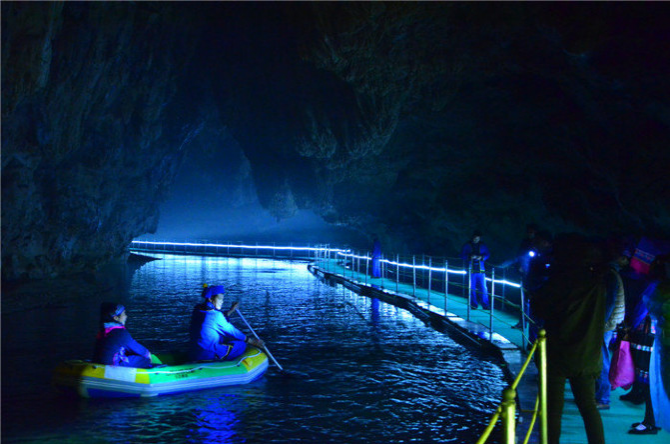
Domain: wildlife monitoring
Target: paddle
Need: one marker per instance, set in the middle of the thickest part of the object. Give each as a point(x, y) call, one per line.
point(266, 347)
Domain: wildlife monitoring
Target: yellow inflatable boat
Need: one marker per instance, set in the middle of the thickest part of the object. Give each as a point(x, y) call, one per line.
point(174, 375)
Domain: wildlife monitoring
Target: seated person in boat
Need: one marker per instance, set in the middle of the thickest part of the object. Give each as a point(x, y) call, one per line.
point(212, 335)
point(114, 345)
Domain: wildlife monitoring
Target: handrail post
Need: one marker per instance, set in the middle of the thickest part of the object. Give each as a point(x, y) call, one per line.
point(469, 295)
point(397, 272)
point(542, 348)
point(508, 415)
point(446, 286)
point(381, 266)
point(360, 264)
point(430, 276)
point(367, 265)
point(357, 262)
point(503, 296)
point(492, 300)
point(524, 337)
point(414, 277)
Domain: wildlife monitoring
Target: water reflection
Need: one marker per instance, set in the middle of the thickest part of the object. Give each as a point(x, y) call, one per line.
point(215, 423)
point(363, 370)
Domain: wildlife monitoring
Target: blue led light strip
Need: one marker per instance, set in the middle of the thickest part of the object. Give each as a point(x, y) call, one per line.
point(340, 252)
point(425, 267)
point(402, 264)
point(251, 247)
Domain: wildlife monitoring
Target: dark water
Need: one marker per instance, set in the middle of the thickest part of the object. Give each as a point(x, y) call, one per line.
point(361, 370)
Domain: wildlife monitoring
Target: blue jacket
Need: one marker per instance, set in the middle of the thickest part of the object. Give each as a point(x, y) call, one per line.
point(211, 334)
point(114, 346)
point(478, 249)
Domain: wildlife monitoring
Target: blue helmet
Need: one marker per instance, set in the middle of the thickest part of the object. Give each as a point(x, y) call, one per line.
point(208, 292)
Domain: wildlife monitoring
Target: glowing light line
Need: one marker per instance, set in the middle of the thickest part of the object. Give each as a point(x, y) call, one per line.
point(249, 247)
point(505, 282)
point(403, 264)
point(425, 267)
point(345, 253)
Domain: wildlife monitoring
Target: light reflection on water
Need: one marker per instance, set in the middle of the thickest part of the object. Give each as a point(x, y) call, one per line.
point(363, 370)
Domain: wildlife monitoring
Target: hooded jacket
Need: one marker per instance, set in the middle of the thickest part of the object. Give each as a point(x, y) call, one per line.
point(211, 333)
point(572, 302)
point(114, 345)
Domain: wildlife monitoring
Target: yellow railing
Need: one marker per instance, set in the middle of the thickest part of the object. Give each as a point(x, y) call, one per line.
point(506, 411)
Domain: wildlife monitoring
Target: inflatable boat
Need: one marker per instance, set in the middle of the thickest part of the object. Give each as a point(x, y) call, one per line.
point(172, 375)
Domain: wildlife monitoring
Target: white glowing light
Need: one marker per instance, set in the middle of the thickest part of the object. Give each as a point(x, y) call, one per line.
point(403, 264)
point(425, 267)
point(504, 282)
point(250, 247)
point(344, 253)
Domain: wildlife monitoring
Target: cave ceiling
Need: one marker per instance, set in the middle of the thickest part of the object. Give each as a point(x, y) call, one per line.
point(415, 121)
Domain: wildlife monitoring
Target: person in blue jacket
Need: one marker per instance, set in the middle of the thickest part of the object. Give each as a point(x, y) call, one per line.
point(212, 335)
point(474, 254)
point(114, 345)
point(376, 258)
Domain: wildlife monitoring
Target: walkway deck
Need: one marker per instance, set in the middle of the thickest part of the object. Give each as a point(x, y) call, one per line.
point(508, 341)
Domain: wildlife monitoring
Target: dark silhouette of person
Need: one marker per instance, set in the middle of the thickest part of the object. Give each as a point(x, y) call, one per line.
point(614, 314)
point(572, 303)
point(644, 345)
point(524, 252)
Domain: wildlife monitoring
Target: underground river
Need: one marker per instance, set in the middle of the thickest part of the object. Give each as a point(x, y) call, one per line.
point(358, 369)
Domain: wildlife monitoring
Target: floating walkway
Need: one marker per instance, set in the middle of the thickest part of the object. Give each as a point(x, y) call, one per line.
point(438, 295)
point(452, 312)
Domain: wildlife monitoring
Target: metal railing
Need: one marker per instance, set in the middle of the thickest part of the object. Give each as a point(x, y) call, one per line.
point(506, 410)
point(433, 277)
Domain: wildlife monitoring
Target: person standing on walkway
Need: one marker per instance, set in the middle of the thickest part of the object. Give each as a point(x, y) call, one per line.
point(376, 258)
point(615, 312)
point(572, 303)
point(474, 254)
point(524, 252)
point(522, 260)
point(539, 268)
point(641, 342)
point(657, 409)
point(648, 352)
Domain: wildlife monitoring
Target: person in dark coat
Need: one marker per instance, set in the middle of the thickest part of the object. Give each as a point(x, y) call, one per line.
point(539, 266)
point(212, 336)
point(523, 253)
point(644, 345)
point(572, 303)
point(474, 254)
point(114, 345)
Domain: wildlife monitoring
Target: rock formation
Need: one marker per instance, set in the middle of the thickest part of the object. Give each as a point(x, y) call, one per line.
point(91, 135)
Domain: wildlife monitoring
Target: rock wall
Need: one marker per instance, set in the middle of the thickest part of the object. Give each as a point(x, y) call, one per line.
point(91, 135)
point(422, 121)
